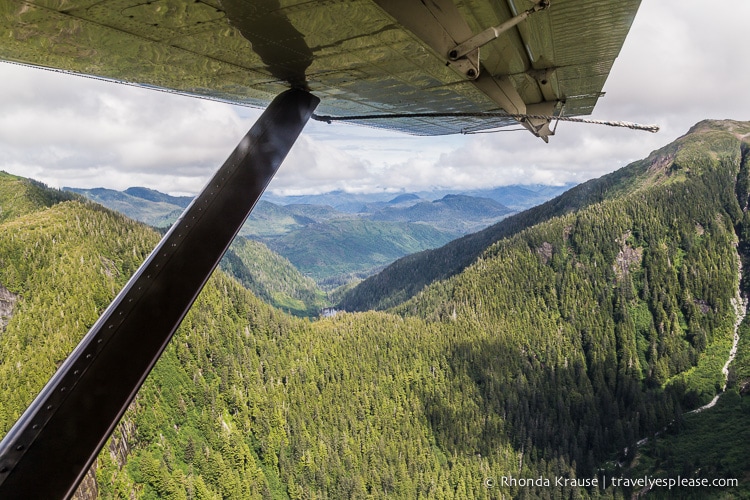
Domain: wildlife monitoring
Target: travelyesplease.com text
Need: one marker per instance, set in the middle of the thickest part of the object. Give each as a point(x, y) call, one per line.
point(604, 482)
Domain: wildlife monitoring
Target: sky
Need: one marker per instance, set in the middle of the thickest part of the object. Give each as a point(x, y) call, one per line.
point(683, 61)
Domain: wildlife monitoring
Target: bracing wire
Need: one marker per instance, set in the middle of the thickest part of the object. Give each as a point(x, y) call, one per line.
point(494, 114)
point(392, 116)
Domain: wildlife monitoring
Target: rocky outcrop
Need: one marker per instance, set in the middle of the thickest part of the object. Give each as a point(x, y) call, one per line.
point(7, 302)
point(119, 449)
point(88, 489)
point(119, 445)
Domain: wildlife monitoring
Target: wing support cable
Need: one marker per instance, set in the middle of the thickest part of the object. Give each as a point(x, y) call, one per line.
point(492, 114)
point(51, 447)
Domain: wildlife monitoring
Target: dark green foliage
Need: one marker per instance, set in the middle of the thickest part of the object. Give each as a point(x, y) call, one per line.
point(272, 278)
point(65, 263)
point(459, 214)
point(329, 246)
point(340, 248)
point(146, 205)
point(709, 445)
point(557, 348)
point(269, 220)
point(409, 275)
point(19, 196)
point(739, 374)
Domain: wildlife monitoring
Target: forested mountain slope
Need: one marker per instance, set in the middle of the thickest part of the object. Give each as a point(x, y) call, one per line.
point(335, 252)
point(268, 275)
point(146, 205)
point(452, 213)
point(558, 348)
point(636, 292)
point(246, 402)
point(19, 196)
point(329, 246)
point(410, 274)
point(273, 278)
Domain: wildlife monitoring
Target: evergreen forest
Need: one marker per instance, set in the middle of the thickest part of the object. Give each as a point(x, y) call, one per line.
point(567, 343)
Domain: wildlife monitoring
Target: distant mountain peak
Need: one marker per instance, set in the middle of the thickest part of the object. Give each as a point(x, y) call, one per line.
point(145, 193)
point(740, 129)
point(712, 149)
point(158, 197)
point(404, 198)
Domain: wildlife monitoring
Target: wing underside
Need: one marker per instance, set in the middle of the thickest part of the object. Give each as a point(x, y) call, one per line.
point(361, 57)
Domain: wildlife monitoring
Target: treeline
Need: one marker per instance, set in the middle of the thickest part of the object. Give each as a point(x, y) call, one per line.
point(333, 251)
point(708, 445)
point(19, 196)
point(558, 349)
point(247, 402)
point(409, 275)
point(607, 318)
point(273, 278)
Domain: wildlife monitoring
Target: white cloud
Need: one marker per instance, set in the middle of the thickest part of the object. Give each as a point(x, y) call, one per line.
point(682, 62)
point(490, 160)
point(67, 130)
point(315, 166)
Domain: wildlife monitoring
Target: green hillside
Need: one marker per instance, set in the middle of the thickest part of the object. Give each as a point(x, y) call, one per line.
point(637, 291)
point(331, 247)
point(142, 204)
point(334, 252)
point(457, 214)
point(272, 278)
point(268, 275)
point(560, 347)
point(19, 196)
point(409, 275)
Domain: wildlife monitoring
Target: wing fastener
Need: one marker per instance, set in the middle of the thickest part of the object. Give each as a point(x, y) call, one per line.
point(463, 49)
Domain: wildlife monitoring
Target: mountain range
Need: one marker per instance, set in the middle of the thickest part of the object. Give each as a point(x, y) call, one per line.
point(558, 353)
point(277, 214)
point(364, 232)
point(515, 197)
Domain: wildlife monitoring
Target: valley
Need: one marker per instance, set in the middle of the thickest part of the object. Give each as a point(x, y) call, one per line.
point(539, 347)
point(337, 238)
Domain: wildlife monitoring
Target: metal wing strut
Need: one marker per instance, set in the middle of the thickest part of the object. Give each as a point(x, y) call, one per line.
point(51, 447)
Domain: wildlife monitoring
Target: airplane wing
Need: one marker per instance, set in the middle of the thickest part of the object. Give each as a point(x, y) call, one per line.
point(363, 58)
